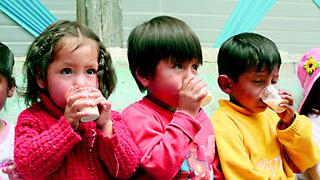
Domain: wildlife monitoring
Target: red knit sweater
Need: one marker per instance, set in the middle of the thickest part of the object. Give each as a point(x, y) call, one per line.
point(46, 147)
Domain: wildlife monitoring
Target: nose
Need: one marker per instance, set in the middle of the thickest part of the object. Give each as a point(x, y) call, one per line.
point(79, 81)
point(190, 72)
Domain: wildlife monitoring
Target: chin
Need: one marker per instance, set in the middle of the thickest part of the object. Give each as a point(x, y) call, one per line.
point(261, 109)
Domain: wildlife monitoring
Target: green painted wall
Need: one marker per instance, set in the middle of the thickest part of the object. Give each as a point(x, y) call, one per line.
point(127, 91)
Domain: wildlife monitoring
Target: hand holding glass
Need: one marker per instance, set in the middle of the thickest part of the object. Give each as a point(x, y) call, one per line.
point(91, 111)
point(270, 95)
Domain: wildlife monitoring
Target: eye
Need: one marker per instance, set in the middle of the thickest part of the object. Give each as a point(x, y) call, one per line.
point(178, 66)
point(91, 71)
point(274, 81)
point(258, 81)
point(195, 66)
point(66, 71)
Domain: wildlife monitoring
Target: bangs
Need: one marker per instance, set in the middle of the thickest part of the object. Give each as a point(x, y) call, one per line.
point(69, 43)
point(171, 40)
point(178, 49)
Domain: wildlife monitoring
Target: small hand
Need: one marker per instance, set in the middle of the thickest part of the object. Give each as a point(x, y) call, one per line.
point(12, 173)
point(76, 100)
point(287, 116)
point(104, 121)
point(191, 94)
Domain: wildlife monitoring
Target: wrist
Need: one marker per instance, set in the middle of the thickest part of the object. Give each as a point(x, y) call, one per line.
point(285, 124)
point(107, 128)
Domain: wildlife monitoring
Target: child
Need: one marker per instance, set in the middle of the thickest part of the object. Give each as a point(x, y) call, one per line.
point(308, 74)
point(174, 134)
point(51, 142)
point(7, 85)
point(253, 141)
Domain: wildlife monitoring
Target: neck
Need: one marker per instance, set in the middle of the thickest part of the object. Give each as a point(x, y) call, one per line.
point(2, 125)
point(161, 103)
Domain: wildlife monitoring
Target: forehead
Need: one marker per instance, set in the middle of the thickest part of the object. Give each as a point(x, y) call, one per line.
point(262, 72)
point(71, 43)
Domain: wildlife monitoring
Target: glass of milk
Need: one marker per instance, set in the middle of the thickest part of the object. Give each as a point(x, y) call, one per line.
point(270, 95)
point(206, 100)
point(91, 111)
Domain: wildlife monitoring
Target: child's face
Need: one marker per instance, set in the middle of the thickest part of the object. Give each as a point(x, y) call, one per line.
point(246, 91)
point(167, 80)
point(72, 67)
point(3, 91)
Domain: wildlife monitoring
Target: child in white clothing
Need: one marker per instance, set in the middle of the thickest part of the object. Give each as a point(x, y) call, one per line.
point(7, 84)
point(308, 74)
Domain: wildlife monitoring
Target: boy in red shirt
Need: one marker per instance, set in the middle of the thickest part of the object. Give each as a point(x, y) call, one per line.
point(174, 134)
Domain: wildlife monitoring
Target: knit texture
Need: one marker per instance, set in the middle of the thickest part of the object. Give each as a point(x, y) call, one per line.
point(46, 147)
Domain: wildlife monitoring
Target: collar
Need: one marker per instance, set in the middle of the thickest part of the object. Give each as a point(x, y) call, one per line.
point(56, 111)
point(161, 103)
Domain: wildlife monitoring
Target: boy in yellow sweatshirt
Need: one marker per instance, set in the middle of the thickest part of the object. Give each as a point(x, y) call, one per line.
point(253, 141)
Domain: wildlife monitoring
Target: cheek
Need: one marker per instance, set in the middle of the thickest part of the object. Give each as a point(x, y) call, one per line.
point(57, 94)
point(2, 100)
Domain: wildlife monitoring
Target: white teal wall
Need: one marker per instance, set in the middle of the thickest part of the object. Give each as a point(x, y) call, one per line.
point(293, 24)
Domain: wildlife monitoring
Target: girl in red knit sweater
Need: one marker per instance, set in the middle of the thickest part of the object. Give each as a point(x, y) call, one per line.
point(68, 68)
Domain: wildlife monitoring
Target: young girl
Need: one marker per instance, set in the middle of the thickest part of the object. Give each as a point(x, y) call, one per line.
point(7, 84)
point(67, 69)
point(174, 134)
point(308, 74)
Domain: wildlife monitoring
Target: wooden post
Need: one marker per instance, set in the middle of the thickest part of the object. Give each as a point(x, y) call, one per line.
point(104, 17)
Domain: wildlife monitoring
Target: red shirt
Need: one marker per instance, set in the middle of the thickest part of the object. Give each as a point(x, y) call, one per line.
point(46, 147)
point(173, 144)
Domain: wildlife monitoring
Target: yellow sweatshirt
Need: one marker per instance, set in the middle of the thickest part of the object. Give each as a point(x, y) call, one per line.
point(251, 147)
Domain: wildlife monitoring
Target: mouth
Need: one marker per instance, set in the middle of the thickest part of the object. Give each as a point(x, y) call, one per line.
point(262, 104)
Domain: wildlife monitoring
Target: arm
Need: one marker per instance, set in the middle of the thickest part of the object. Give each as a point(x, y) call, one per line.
point(163, 147)
point(297, 140)
point(38, 153)
point(119, 153)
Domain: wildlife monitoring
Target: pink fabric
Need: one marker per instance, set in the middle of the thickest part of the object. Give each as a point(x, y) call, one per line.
point(6, 148)
point(46, 147)
point(307, 80)
point(173, 144)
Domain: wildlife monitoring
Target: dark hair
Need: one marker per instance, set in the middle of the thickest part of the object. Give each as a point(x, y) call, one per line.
point(245, 51)
point(161, 38)
point(6, 64)
point(45, 46)
point(312, 99)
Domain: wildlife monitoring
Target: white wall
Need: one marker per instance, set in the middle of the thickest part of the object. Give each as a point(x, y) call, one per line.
point(293, 24)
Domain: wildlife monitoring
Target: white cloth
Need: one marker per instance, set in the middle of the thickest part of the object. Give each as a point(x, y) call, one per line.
point(316, 136)
point(6, 148)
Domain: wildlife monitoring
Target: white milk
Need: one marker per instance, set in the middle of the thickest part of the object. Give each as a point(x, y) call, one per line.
point(93, 112)
point(274, 104)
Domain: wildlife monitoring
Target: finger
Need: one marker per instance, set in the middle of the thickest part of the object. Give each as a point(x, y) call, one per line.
point(186, 82)
point(288, 98)
point(283, 92)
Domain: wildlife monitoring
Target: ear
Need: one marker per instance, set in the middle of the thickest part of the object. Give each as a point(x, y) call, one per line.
point(225, 83)
point(143, 80)
point(40, 82)
point(11, 91)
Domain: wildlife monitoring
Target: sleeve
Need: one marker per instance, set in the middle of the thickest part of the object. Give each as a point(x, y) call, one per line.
point(298, 143)
point(163, 148)
point(234, 158)
point(38, 154)
point(119, 153)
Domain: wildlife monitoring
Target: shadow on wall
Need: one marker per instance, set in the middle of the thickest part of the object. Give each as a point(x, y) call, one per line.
point(127, 92)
